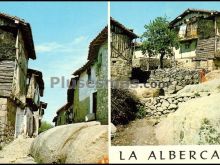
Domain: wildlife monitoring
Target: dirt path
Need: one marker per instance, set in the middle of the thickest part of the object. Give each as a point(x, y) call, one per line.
point(17, 152)
point(138, 132)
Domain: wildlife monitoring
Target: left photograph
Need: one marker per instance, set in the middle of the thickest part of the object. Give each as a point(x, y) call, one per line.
point(53, 82)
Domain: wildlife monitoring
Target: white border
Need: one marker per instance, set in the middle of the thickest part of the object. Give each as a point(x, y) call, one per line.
point(109, 83)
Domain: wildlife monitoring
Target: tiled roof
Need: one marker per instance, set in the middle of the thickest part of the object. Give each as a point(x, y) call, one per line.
point(191, 10)
point(93, 50)
point(128, 31)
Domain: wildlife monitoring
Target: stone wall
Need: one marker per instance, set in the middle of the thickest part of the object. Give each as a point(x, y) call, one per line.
point(150, 63)
point(164, 105)
point(7, 121)
point(120, 69)
point(173, 79)
point(189, 63)
point(102, 91)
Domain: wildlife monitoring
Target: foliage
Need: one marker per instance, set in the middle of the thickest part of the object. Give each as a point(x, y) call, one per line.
point(206, 28)
point(141, 113)
point(197, 94)
point(124, 106)
point(98, 64)
point(208, 134)
point(218, 87)
point(45, 126)
point(159, 39)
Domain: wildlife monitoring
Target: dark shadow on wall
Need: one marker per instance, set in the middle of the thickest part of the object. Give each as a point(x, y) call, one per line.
point(140, 75)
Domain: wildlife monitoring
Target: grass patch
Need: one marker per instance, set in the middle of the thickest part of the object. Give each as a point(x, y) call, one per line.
point(197, 94)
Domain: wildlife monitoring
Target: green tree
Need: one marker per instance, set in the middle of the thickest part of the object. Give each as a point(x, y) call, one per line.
point(159, 39)
point(44, 126)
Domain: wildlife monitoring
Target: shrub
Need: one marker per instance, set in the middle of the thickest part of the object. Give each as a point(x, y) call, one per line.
point(45, 126)
point(141, 113)
point(197, 94)
point(124, 106)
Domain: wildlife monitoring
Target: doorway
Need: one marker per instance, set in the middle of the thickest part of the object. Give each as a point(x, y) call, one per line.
point(94, 100)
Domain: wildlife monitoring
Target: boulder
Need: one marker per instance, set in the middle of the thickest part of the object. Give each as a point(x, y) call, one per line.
point(165, 104)
point(215, 74)
point(195, 122)
point(178, 87)
point(209, 86)
point(141, 91)
point(172, 106)
point(72, 143)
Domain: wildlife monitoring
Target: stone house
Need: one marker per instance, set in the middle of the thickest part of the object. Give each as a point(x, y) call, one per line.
point(34, 107)
point(90, 95)
point(64, 115)
point(200, 43)
point(16, 48)
point(122, 49)
point(87, 94)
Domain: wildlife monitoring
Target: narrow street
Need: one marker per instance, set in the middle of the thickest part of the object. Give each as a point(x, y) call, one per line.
point(138, 132)
point(17, 152)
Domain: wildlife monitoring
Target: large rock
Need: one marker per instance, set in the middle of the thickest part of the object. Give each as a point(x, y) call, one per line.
point(209, 86)
point(73, 143)
point(197, 121)
point(17, 151)
point(215, 74)
point(141, 91)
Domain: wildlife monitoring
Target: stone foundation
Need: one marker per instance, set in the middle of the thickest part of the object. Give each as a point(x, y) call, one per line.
point(172, 80)
point(150, 63)
point(120, 69)
point(164, 105)
point(6, 124)
point(189, 63)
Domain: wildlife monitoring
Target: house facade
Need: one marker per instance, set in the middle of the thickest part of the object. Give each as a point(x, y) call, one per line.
point(64, 115)
point(16, 48)
point(90, 101)
point(122, 50)
point(199, 39)
point(29, 121)
point(87, 95)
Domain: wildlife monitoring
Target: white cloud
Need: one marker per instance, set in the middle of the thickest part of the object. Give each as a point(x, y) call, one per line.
point(78, 43)
point(48, 47)
point(79, 39)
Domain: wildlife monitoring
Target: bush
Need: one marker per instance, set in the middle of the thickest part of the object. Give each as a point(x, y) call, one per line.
point(44, 126)
point(124, 106)
point(141, 113)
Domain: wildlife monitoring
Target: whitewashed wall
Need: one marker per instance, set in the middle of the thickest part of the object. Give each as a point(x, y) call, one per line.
point(179, 55)
point(86, 90)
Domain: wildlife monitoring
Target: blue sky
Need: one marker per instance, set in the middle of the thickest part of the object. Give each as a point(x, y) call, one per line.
point(135, 15)
point(62, 32)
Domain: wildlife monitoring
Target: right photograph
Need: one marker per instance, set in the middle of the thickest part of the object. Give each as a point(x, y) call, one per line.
point(165, 73)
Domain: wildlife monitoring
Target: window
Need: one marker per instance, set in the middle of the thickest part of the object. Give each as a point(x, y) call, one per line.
point(187, 45)
point(89, 75)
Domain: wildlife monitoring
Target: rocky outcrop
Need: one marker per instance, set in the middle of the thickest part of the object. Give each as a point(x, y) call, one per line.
point(73, 143)
point(17, 151)
point(195, 121)
point(143, 91)
point(163, 105)
point(212, 86)
point(215, 74)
